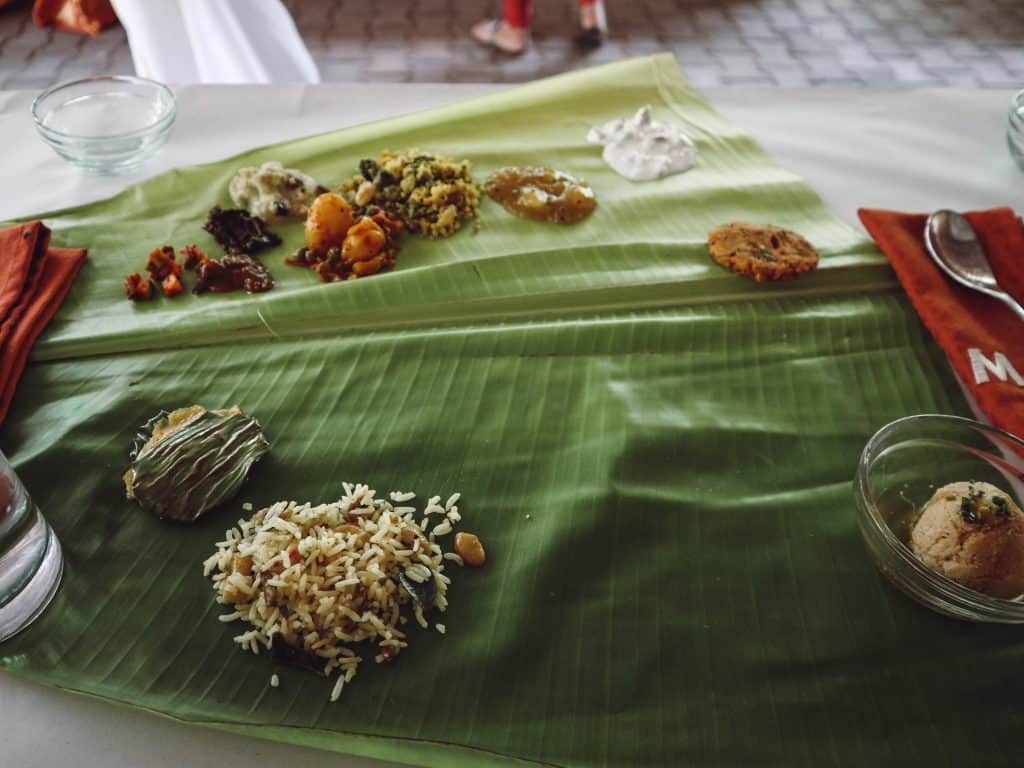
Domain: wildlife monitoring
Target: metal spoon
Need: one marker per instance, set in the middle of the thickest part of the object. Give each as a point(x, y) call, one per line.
point(954, 245)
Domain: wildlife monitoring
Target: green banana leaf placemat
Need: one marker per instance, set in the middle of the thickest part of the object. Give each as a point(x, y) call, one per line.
point(657, 454)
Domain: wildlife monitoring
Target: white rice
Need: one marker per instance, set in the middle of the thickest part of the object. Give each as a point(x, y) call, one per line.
point(321, 578)
point(274, 680)
point(452, 500)
point(338, 685)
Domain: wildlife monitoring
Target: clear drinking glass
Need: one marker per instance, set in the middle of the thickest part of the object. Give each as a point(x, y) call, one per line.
point(31, 562)
point(1015, 129)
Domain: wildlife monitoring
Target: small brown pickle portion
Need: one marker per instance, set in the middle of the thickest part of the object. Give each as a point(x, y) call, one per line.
point(237, 231)
point(542, 194)
point(233, 272)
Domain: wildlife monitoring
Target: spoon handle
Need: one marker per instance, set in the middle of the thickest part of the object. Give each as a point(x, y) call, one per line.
point(1011, 303)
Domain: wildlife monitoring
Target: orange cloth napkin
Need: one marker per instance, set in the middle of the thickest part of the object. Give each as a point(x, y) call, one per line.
point(982, 337)
point(34, 279)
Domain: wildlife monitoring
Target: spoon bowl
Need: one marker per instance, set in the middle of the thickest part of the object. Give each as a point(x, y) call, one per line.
point(954, 246)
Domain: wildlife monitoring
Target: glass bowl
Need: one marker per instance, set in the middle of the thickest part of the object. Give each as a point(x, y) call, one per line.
point(105, 124)
point(900, 468)
point(1015, 129)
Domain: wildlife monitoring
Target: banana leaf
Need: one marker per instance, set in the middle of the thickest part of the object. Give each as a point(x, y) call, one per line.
point(657, 454)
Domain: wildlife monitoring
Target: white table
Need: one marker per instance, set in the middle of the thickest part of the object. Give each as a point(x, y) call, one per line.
point(916, 150)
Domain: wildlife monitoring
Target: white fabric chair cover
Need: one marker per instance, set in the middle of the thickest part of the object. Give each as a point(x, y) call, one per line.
point(215, 41)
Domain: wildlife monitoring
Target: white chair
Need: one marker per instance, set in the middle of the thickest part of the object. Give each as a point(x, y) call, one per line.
point(215, 41)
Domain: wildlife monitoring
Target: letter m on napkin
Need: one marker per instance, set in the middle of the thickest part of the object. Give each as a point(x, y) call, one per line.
point(999, 366)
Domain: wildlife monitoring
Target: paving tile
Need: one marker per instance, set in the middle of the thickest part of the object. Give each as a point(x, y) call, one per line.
point(692, 53)
point(911, 72)
point(932, 56)
point(644, 47)
point(813, 10)
point(433, 26)
point(936, 26)
point(703, 76)
point(832, 31)
point(836, 81)
point(1013, 58)
point(747, 80)
point(909, 32)
point(959, 80)
point(803, 44)
point(771, 52)
point(884, 12)
point(737, 66)
point(341, 70)
point(793, 66)
point(877, 76)
point(727, 43)
point(791, 79)
point(883, 42)
point(960, 46)
point(711, 19)
point(428, 48)
point(855, 56)
point(825, 66)
point(403, 75)
point(786, 20)
point(677, 27)
point(859, 21)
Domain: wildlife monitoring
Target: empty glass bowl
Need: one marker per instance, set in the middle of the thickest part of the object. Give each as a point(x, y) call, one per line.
point(105, 124)
point(1015, 129)
point(900, 468)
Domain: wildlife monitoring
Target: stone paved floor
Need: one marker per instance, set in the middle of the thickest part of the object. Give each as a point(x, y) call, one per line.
point(887, 43)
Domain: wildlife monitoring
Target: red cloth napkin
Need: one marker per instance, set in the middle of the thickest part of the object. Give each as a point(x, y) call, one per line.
point(34, 279)
point(982, 337)
point(87, 17)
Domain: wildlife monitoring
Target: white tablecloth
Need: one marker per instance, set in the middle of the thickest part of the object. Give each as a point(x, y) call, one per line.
point(918, 150)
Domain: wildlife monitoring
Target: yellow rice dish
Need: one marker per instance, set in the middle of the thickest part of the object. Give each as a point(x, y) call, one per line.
point(430, 194)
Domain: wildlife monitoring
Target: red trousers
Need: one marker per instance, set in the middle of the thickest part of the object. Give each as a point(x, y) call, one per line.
point(518, 12)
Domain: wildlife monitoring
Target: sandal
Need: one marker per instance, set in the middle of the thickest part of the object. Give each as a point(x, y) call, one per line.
point(592, 37)
point(589, 37)
point(486, 33)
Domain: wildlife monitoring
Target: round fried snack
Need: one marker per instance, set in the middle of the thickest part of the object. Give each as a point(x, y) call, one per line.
point(761, 251)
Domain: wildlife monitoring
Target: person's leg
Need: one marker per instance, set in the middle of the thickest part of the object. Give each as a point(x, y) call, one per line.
point(592, 22)
point(517, 13)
